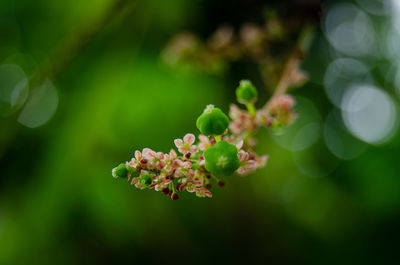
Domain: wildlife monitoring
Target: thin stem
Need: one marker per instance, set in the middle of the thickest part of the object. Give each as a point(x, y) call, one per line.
point(173, 187)
point(252, 109)
point(215, 178)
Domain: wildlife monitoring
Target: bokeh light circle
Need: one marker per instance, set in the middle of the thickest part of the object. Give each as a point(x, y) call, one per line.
point(13, 87)
point(341, 74)
point(369, 113)
point(349, 30)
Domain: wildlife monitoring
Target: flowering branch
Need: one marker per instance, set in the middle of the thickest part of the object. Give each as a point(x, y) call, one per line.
point(225, 146)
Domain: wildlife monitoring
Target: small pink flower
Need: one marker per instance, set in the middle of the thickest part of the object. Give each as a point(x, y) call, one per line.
point(251, 165)
point(134, 180)
point(162, 182)
point(203, 192)
point(243, 155)
point(263, 118)
point(183, 172)
point(261, 161)
point(186, 146)
point(204, 142)
point(183, 169)
point(282, 102)
point(198, 182)
point(135, 161)
point(154, 159)
point(280, 110)
point(148, 154)
point(173, 154)
point(241, 120)
point(187, 164)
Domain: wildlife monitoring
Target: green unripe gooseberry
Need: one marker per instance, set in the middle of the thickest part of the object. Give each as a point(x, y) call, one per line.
point(222, 159)
point(145, 179)
point(212, 121)
point(246, 93)
point(120, 171)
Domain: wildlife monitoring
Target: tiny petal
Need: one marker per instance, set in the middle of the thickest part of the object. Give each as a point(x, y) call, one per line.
point(168, 181)
point(178, 163)
point(178, 143)
point(193, 149)
point(204, 139)
point(178, 173)
point(138, 155)
point(202, 146)
point(183, 150)
point(187, 164)
point(190, 173)
point(243, 156)
point(262, 161)
point(148, 153)
point(189, 138)
point(239, 145)
point(172, 153)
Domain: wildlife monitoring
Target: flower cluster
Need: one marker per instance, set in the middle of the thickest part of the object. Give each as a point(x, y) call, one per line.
point(224, 147)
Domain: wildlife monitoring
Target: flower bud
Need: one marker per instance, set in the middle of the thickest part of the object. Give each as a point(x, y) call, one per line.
point(246, 93)
point(174, 196)
point(120, 171)
point(165, 190)
point(222, 159)
point(212, 121)
point(145, 179)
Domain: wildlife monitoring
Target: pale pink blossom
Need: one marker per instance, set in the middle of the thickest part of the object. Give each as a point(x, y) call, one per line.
point(282, 102)
point(148, 153)
point(263, 118)
point(252, 164)
point(183, 169)
point(204, 142)
point(241, 120)
point(243, 155)
point(186, 145)
point(135, 161)
point(162, 182)
point(203, 192)
point(154, 159)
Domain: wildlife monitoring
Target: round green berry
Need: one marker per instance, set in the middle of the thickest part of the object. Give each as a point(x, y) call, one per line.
point(212, 121)
point(120, 171)
point(145, 179)
point(246, 93)
point(222, 159)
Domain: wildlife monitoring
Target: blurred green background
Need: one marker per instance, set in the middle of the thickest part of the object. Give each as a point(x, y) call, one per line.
point(330, 193)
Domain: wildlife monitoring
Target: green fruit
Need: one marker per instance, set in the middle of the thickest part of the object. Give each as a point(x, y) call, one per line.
point(246, 93)
point(120, 171)
point(212, 121)
point(222, 159)
point(145, 179)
